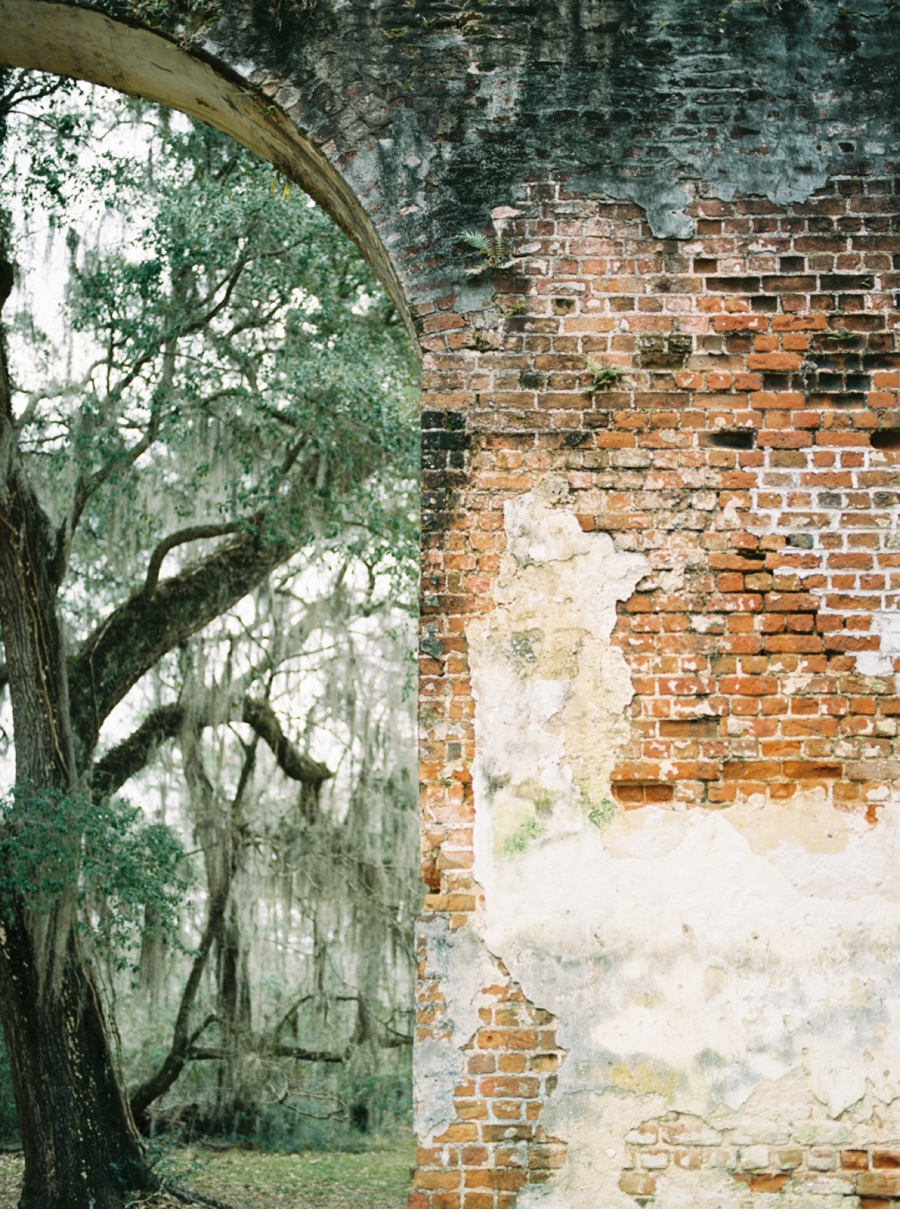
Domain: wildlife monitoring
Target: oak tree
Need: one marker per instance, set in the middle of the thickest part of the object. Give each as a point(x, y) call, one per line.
point(235, 388)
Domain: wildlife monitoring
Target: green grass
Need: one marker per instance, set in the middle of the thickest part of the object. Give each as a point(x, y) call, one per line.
point(375, 1178)
point(378, 1177)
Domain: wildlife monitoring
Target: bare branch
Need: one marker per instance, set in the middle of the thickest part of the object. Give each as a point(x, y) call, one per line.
point(17, 94)
point(88, 485)
point(131, 755)
point(84, 490)
point(170, 1069)
point(260, 716)
point(179, 538)
point(293, 1053)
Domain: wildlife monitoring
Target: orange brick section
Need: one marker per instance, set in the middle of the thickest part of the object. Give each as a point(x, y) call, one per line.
point(748, 448)
point(496, 1145)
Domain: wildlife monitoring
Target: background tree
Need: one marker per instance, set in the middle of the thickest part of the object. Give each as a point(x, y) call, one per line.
point(234, 393)
point(303, 1008)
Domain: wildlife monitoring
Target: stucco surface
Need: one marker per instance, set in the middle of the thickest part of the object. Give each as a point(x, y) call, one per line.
point(459, 962)
point(694, 959)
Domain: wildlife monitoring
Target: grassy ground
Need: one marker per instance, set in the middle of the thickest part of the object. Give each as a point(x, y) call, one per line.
point(375, 1178)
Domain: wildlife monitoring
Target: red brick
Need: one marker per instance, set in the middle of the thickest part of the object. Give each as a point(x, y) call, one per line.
point(774, 361)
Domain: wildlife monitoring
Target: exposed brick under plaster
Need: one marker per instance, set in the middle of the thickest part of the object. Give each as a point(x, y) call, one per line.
point(734, 452)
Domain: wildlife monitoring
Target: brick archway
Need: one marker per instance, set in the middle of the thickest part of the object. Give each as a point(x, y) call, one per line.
point(658, 698)
point(87, 45)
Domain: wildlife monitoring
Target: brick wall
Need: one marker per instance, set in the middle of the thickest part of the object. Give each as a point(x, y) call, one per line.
point(749, 450)
point(802, 1169)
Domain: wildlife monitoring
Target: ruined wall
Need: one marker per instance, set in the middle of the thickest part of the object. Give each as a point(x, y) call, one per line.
point(660, 949)
point(685, 822)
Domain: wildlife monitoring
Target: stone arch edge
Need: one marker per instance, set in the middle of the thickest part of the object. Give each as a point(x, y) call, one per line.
point(69, 40)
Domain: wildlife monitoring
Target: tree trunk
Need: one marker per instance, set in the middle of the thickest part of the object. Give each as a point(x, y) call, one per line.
point(81, 1147)
point(235, 1112)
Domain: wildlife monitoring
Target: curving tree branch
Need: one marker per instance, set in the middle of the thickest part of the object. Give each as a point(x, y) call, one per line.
point(140, 631)
point(296, 765)
point(130, 756)
point(177, 539)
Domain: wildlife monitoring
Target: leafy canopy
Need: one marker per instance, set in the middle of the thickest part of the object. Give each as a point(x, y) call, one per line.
point(228, 360)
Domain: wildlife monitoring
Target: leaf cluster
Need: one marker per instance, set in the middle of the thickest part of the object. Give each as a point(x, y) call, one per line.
point(127, 873)
point(494, 251)
point(603, 378)
point(232, 359)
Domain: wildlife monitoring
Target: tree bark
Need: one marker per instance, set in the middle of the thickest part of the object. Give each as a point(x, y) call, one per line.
point(130, 755)
point(81, 1147)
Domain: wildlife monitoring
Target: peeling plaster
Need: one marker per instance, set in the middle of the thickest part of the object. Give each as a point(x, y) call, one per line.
point(458, 961)
point(886, 625)
point(663, 201)
point(741, 966)
point(549, 686)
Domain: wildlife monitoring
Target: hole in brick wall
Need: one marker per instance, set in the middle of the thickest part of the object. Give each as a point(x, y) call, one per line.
point(575, 438)
point(639, 794)
point(435, 419)
point(815, 400)
point(885, 439)
point(729, 439)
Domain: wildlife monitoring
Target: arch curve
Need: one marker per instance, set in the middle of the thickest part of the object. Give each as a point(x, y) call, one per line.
point(69, 41)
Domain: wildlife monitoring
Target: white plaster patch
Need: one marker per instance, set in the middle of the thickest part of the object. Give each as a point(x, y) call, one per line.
point(546, 677)
point(823, 851)
point(692, 958)
point(881, 663)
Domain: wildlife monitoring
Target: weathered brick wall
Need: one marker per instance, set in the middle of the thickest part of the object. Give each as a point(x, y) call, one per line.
point(748, 451)
point(660, 949)
point(758, 362)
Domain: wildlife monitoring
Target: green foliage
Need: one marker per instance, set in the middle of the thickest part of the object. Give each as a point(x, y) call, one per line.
point(237, 362)
point(495, 253)
point(602, 377)
point(601, 813)
point(125, 872)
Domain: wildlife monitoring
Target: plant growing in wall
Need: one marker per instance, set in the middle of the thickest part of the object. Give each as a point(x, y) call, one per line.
point(603, 378)
point(496, 254)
